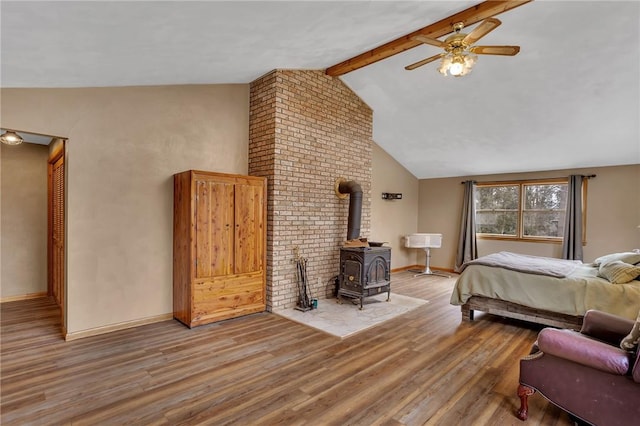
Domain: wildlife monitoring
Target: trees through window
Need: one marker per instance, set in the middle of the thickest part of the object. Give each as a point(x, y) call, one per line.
point(497, 209)
point(529, 210)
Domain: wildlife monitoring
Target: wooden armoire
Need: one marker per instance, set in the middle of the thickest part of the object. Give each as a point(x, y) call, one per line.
point(219, 246)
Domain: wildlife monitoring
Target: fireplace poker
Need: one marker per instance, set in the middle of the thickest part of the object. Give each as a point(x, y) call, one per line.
point(304, 294)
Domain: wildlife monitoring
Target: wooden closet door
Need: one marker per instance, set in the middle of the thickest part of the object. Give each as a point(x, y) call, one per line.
point(57, 231)
point(249, 229)
point(214, 220)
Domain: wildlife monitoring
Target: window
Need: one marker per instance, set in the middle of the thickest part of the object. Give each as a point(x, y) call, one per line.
point(497, 209)
point(543, 210)
point(529, 210)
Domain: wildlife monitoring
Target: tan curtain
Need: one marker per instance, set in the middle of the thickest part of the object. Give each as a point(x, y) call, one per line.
point(467, 248)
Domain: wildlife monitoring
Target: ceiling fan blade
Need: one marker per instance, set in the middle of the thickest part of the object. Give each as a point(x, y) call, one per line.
point(495, 50)
point(427, 40)
point(481, 30)
point(423, 62)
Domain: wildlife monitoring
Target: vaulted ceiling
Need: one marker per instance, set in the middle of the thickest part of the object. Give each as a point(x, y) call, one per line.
point(570, 98)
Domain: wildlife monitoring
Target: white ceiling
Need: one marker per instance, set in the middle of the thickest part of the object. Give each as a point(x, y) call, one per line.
point(570, 98)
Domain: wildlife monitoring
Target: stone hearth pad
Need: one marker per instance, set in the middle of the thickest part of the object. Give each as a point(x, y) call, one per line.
point(344, 320)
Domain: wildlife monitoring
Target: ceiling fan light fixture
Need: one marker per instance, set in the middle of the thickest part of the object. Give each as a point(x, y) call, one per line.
point(457, 65)
point(11, 138)
point(460, 51)
point(445, 64)
point(470, 60)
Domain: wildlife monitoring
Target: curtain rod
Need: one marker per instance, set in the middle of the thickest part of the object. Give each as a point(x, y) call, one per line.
point(530, 180)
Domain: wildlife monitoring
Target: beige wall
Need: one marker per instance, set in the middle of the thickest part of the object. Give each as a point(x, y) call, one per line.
point(392, 219)
point(124, 146)
point(613, 213)
point(23, 188)
point(440, 203)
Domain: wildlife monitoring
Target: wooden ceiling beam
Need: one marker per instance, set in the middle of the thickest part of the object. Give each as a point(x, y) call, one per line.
point(468, 16)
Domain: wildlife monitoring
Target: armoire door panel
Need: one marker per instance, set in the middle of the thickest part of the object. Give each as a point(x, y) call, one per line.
point(222, 223)
point(249, 230)
point(203, 229)
point(214, 227)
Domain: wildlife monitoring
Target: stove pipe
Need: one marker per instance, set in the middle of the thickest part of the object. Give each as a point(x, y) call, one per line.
point(355, 207)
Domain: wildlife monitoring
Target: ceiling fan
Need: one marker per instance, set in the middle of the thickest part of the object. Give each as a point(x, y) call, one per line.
point(460, 53)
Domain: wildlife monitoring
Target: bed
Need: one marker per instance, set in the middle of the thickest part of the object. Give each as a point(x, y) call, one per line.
point(546, 291)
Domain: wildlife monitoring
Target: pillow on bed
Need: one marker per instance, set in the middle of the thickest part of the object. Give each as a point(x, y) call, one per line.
point(630, 343)
point(627, 257)
point(618, 272)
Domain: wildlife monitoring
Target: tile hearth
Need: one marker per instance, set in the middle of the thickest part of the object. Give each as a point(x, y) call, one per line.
point(344, 320)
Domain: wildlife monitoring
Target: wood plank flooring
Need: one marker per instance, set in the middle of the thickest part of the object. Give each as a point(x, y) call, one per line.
point(425, 367)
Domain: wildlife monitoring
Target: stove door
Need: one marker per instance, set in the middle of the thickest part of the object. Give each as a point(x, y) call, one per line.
point(378, 273)
point(351, 275)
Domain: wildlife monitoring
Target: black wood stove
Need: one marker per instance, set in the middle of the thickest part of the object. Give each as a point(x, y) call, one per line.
point(364, 271)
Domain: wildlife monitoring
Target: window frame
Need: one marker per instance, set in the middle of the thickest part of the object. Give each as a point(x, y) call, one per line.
point(517, 211)
point(521, 184)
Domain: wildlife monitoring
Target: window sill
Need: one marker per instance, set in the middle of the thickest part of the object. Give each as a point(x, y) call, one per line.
point(520, 239)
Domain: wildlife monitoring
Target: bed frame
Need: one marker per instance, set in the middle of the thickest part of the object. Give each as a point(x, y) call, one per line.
point(520, 312)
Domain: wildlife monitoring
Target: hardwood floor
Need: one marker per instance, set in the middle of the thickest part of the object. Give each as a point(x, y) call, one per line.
point(424, 367)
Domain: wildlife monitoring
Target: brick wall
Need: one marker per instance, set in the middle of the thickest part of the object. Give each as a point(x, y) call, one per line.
point(306, 130)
